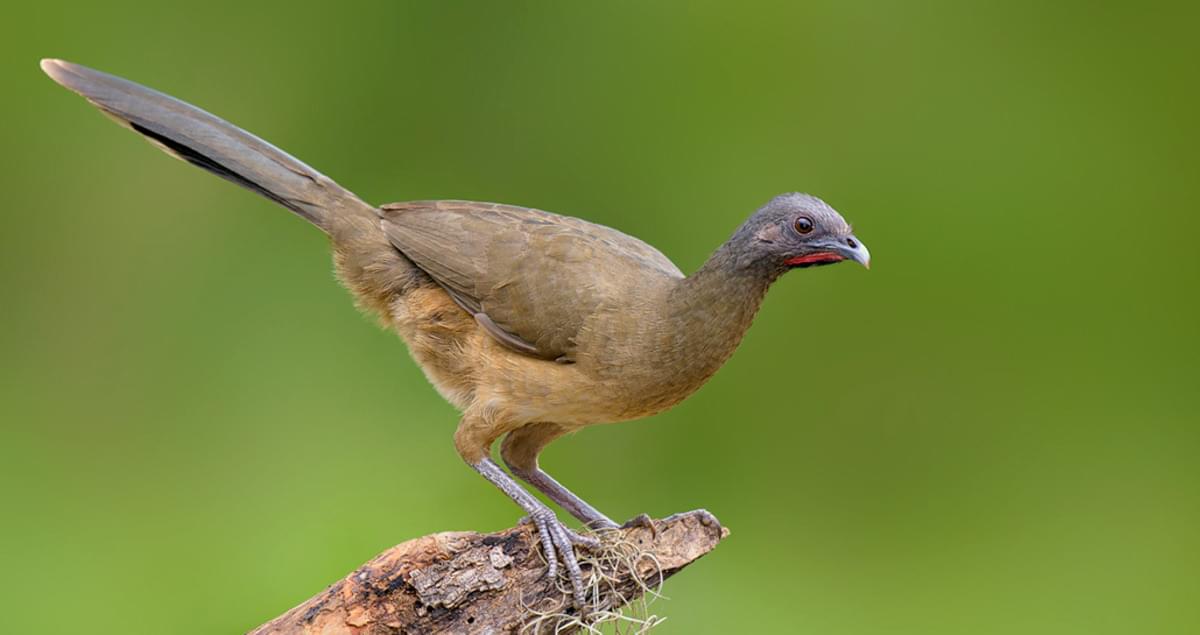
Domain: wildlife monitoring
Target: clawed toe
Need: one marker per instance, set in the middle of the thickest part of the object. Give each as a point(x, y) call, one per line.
point(641, 520)
point(602, 524)
point(558, 544)
point(587, 542)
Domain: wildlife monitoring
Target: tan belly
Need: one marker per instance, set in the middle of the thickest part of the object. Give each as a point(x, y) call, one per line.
point(469, 368)
point(571, 395)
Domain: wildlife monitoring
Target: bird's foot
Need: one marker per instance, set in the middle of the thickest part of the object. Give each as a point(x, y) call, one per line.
point(601, 524)
point(558, 544)
point(641, 520)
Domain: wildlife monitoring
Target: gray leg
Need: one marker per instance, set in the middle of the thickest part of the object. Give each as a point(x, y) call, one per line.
point(557, 541)
point(520, 451)
point(564, 498)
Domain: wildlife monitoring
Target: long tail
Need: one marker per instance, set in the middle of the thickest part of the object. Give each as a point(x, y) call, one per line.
point(188, 133)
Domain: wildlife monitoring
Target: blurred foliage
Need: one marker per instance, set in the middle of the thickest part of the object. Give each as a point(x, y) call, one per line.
point(994, 430)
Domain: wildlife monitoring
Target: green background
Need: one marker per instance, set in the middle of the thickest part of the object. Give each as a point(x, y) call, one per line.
point(995, 430)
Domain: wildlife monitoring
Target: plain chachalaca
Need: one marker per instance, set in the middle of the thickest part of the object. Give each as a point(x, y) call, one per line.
point(534, 325)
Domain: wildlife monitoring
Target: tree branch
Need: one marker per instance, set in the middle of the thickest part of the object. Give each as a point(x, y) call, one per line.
point(466, 582)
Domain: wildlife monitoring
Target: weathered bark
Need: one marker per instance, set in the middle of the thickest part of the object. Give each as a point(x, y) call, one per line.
point(466, 582)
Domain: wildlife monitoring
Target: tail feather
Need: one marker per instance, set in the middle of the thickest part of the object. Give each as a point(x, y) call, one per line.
point(208, 142)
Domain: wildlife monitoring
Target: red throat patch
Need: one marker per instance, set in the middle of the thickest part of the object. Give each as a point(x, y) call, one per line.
point(818, 258)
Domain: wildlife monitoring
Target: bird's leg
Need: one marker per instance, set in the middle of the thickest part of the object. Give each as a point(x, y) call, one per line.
point(558, 542)
point(520, 450)
point(473, 439)
point(564, 498)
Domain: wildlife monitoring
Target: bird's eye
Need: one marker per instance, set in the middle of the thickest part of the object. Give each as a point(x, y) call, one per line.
point(803, 224)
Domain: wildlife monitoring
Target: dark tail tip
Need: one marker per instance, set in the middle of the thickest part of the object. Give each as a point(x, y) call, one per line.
point(209, 142)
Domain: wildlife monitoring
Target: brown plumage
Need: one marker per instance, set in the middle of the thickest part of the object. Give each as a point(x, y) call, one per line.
point(531, 323)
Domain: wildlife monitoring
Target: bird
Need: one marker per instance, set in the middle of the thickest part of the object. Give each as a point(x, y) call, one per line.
point(533, 325)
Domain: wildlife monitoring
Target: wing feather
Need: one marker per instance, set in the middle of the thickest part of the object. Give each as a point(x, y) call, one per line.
point(533, 275)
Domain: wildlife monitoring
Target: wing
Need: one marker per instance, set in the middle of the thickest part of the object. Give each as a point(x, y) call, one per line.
point(531, 278)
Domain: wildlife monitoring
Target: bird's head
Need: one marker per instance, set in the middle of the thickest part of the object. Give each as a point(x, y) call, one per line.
point(798, 230)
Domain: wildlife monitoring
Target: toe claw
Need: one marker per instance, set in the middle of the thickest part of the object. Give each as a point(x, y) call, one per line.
point(548, 546)
point(587, 542)
point(641, 520)
point(602, 525)
point(558, 543)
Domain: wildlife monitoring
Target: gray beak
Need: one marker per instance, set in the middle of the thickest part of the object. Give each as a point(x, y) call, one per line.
point(857, 252)
point(850, 248)
point(829, 251)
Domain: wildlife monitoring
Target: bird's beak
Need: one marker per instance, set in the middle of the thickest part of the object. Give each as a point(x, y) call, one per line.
point(831, 251)
point(851, 248)
point(858, 253)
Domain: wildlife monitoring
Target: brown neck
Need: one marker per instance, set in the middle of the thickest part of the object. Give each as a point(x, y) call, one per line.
point(710, 310)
